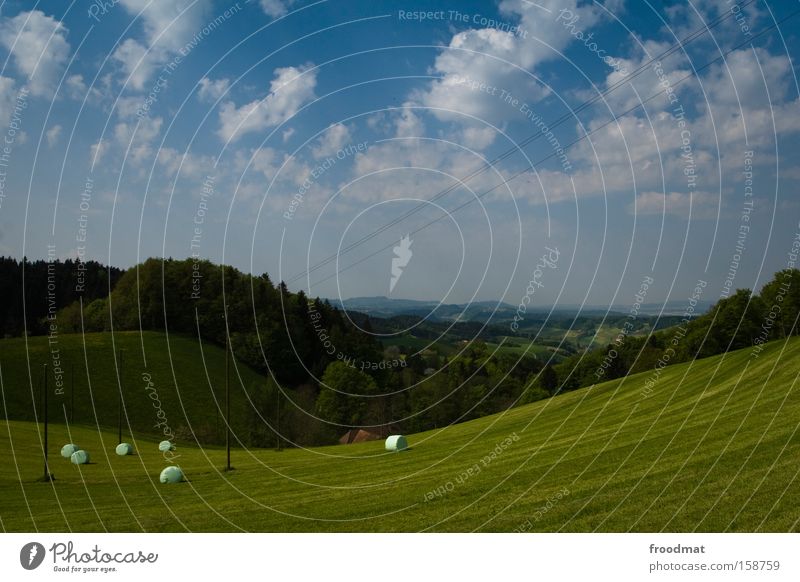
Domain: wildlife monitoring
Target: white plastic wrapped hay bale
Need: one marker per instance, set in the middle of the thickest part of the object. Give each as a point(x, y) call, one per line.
point(68, 449)
point(79, 457)
point(171, 474)
point(396, 442)
point(165, 446)
point(124, 449)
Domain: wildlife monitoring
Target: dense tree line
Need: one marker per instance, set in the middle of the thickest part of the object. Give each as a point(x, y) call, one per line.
point(417, 397)
point(270, 328)
point(742, 320)
point(30, 288)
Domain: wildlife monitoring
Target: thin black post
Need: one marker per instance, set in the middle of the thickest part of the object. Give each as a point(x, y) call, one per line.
point(119, 408)
point(44, 415)
point(227, 400)
point(278, 418)
point(72, 394)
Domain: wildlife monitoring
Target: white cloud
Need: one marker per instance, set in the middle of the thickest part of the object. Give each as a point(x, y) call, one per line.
point(75, 86)
point(168, 27)
point(407, 123)
point(477, 138)
point(479, 65)
point(191, 166)
point(212, 90)
point(287, 135)
point(417, 168)
point(274, 8)
point(98, 151)
point(290, 89)
point(738, 79)
point(136, 138)
point(137, 64)
point(128, 107)
point(331, 141)
point(52, 135)
point(39, 46)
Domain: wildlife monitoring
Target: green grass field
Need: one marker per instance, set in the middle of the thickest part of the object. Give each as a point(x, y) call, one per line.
point(715, 447)
point(188, 378)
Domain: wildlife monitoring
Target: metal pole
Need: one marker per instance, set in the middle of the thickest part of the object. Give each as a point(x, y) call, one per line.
point(278, 418)
point(72, 394)
point(119, 408)
point(44, 414)
point(227, 399)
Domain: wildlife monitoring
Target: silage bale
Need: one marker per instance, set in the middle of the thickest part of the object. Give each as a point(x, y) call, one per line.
point(396, 442)
point(68, 449)
point(79, 457)
point(165, 446)
point(171, 474)
point(124, 449)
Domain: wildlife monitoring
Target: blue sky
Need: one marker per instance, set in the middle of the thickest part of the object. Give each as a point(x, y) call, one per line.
point(273, 135)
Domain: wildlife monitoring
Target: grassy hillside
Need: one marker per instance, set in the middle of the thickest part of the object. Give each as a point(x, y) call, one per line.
point(715, 447)
point(182, 374)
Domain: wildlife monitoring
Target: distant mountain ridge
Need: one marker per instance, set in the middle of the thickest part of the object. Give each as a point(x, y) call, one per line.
point(381, 306)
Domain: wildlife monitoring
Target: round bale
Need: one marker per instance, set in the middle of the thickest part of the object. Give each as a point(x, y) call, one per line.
point(171, 474)
point(80, 457)
point(165, 446)
point(396, 442)
point(68, 449)
point(124, 449)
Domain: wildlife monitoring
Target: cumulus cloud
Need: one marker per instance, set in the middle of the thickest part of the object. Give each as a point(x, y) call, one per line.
point(137, 138)
point(168, 27)
point(136, 63)
point(407, 123)
point(97, 151)
point(480, 66)
point(52, 135)
point(477, 138)
point(331, 141)
point(211, 90)
point(190, 165)
point(274, 8)
point(742, 103)
point(76, 88)
point(39, 47)
point(417, 168)
point(290, 89)
point(482, 70)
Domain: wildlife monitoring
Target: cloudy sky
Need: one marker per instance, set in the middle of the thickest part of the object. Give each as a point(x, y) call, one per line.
point(306, 139)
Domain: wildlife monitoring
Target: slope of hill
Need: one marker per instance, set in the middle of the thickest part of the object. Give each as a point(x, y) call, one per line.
point(713, 446)
point(181, 377)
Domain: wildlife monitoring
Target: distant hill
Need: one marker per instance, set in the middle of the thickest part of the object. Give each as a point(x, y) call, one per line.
point(386, 307)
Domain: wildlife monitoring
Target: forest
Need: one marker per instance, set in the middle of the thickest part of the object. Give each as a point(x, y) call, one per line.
point(332, 364)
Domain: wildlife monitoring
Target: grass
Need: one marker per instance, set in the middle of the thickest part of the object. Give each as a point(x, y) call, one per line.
point(715, 447)
point(187, 378)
